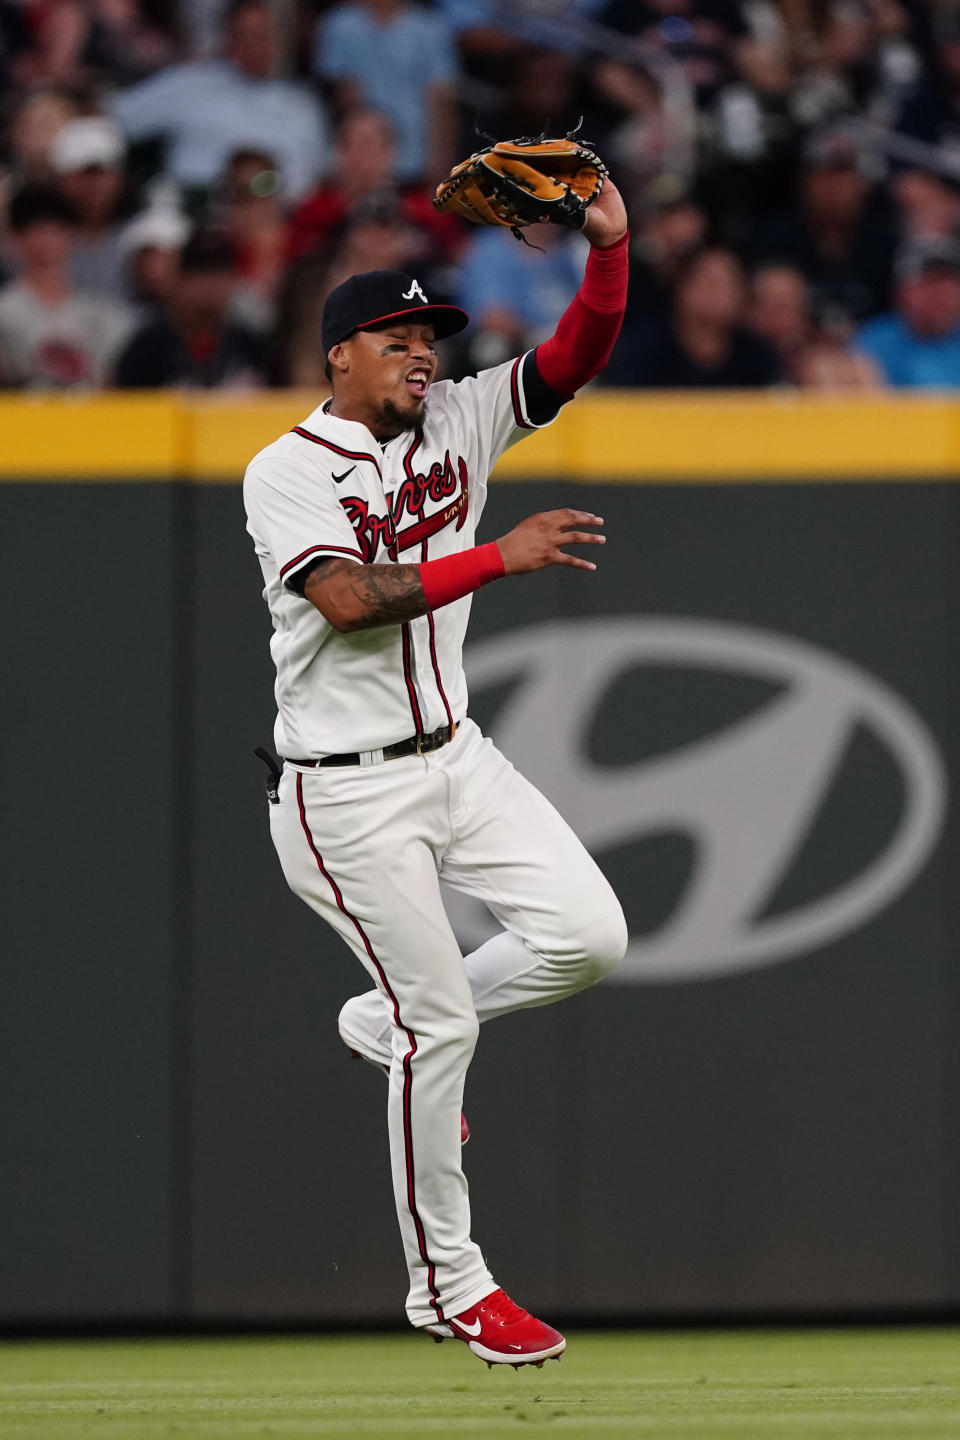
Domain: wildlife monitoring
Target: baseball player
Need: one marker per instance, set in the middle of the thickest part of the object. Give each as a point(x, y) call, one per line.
point(364, 520)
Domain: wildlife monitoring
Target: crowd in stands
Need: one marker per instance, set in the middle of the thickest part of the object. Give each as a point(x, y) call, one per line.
point(182, 182)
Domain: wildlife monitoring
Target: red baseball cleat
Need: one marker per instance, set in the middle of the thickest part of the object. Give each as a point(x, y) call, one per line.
point(464, 1127)
point(501, 1333)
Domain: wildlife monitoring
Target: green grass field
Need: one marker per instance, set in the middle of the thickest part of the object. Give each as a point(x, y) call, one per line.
point(738, 1385)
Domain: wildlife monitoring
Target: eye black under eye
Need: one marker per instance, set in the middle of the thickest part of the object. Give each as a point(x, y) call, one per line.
point(397, 345)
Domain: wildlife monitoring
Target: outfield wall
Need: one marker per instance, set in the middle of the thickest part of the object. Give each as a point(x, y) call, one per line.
point(750, 713)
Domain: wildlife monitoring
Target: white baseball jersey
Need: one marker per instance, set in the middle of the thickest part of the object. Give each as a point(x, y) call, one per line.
point(364, 845)
point(329, 488)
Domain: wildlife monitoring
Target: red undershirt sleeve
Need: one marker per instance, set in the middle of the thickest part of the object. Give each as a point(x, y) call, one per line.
point(585, 335)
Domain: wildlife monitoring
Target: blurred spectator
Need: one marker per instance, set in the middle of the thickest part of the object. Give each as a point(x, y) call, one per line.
point(671, 227)
point(36, 120)
point(540, 85)
point(483, 43)
point(192, 342)
point(87, 157)
point(830, 363)
point(150, 246)
point(109, 42)
point(399, 58)
point(813, 357)
point(51, 336)
point(364, 164)
point(629, 103)
point(492, 35)
point(779, 311)
point(703, 343)
point(838, 235)
point(919, 344)
point(929, 205)
point(250, 209)
point(208, 109)
point(513, 294)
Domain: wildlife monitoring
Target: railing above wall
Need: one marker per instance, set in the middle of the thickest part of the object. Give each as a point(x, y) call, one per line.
point(604, 436)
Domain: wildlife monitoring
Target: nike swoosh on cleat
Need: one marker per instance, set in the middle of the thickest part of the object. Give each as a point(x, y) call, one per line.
point(338, 478)
point(473, 1329)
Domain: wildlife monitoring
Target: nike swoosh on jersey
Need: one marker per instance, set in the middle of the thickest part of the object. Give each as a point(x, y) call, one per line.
point(473, 1329)
point(338, 478)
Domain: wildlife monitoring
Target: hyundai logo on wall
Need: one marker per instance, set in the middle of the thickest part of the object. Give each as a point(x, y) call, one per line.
point(747, 794)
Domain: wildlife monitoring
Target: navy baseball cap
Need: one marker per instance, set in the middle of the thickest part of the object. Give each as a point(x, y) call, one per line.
point(371, 299)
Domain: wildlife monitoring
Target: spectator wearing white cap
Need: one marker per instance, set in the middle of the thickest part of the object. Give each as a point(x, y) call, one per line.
point(150, 245)
point(192, 342)
point(205, 110)
point(87, 157)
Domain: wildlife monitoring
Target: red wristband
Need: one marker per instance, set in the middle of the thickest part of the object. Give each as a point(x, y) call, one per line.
point(457, 575)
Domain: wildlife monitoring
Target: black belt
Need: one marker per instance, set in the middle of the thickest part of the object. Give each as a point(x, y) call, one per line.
point(416, 745)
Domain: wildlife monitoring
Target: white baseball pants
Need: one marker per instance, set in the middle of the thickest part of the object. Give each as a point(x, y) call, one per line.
point(366, 847)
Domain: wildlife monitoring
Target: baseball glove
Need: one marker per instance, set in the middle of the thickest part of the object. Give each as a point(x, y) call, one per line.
point(523, 182)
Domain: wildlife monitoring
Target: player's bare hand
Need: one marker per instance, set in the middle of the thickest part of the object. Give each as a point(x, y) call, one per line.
point(607, 217)
point(536, 542)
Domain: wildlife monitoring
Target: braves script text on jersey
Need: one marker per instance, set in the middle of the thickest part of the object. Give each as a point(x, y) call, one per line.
point(366, 845)
point(328, 488)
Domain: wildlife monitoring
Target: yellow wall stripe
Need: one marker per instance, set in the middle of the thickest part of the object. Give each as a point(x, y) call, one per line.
point(105, 437)
point(225, 432)
point(612, 436)
point(603, 436)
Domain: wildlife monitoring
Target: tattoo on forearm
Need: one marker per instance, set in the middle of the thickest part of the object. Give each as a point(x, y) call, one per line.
point(388, 594)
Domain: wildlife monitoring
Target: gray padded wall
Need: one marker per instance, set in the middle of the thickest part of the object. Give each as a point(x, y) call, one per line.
point(90, 933)
point(781, 1139)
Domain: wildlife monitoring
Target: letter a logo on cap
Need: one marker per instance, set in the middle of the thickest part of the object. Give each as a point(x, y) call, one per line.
point(415, 290)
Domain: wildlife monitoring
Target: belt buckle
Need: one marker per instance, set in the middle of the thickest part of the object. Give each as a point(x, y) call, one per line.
point(432, 737)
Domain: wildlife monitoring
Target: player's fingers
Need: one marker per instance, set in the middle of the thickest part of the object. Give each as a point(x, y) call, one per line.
point(581, 537)
point(579, 517)
point(560, 557)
